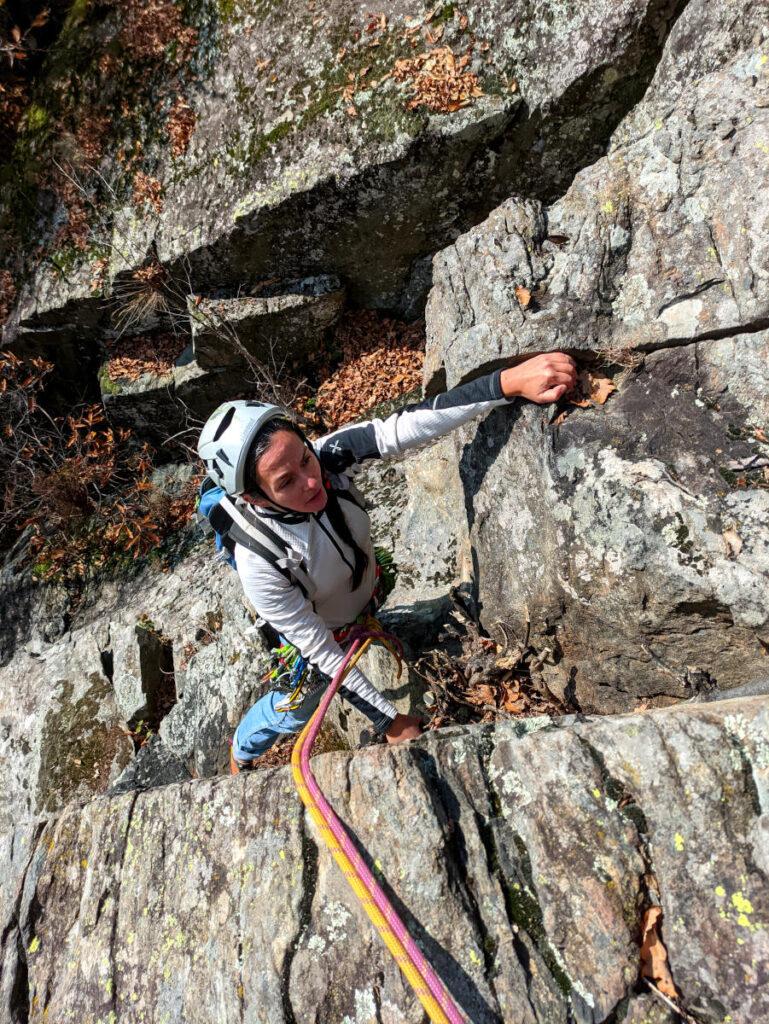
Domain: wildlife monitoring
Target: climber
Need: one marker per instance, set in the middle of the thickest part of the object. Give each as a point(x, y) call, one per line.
point(306, 560)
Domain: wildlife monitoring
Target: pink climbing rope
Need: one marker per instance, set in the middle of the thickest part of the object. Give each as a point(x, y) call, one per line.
point(428, 987)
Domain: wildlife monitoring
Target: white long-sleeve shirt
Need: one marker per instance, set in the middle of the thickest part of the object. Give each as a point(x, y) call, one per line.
point(308, 622)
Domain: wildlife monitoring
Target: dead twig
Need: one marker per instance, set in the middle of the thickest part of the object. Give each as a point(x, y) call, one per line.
point(683, 1014)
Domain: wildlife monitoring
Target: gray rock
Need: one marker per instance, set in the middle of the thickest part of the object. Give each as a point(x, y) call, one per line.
point(61, 735)
point(280, 181)
point(655, 245)
point(168, 651)
point(229, 331)
point(624, 532)
point(222, 679)
point(159, 406)
point(17, 848)
point(146, 406)
point(30, 612)
point(533, 850)
point(195, 618)
point(198, 392)
point(154, 765)
point(143, 669)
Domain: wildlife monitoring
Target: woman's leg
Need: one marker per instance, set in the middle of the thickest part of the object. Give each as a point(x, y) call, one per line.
point(264, 722)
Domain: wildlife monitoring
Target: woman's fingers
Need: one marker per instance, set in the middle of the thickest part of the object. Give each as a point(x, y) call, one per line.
point(551, 395)
point(559, 361)
point(554, 379)
point(539, 374)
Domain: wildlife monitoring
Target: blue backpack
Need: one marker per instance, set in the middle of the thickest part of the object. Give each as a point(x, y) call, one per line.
point(214, 514)
point(209, 496)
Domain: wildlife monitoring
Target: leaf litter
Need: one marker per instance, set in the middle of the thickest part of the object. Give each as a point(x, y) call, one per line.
point(370, 360)
point(592, 389)
point(476, 678)
point(439, 80)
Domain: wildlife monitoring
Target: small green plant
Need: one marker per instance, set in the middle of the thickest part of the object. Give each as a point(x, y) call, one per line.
point(107, 385)
point(388, 571)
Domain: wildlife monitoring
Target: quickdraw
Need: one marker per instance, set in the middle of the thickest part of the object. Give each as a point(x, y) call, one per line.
point(429, 989)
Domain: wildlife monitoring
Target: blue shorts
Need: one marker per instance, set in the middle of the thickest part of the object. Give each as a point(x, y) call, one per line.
point(264, 721)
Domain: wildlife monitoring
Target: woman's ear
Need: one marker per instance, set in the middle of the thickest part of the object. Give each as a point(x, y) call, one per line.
point(257, 500)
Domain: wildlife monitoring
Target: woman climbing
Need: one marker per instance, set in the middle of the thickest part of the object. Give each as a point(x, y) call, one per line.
point(304, 554)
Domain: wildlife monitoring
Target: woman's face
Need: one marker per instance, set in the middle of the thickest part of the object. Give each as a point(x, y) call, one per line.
point(290, 476)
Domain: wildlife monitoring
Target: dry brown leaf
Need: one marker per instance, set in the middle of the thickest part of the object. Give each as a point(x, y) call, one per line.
point(513, 700)
point(381, 359)
point(760, 434)
point(438, 80)
point(482, 694)
point(591, 390)
point(508, 661)
point(514, 707)
point(654, 956)
point(523, 295)
point(559, 418)
point(130, 358)
point(600, 389)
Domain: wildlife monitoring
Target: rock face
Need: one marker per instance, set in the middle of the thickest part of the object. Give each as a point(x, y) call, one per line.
point(184, 676)
point(293, 320)
point(633, 534)
point(628, 540)
point(533, 850)
point(657, 244)
point(61, 734)
point(307, 158)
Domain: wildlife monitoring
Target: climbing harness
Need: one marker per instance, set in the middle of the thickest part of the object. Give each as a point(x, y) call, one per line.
point(294, 674)
point(437, 1003)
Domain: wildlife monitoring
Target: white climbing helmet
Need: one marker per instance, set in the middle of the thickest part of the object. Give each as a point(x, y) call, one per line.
point(226, 438)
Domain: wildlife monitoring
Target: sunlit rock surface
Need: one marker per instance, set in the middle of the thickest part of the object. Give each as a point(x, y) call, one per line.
point(522, 858)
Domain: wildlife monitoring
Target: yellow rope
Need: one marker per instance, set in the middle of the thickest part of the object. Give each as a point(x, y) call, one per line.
point(404, 959)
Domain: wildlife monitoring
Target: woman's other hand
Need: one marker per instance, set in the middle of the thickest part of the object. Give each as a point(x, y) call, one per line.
point(404, 727)
point(541, 379)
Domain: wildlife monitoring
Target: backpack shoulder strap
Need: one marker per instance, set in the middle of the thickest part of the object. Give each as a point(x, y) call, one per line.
point(256, 536)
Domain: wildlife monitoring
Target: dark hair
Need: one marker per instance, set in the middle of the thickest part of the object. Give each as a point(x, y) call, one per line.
point(333, 508)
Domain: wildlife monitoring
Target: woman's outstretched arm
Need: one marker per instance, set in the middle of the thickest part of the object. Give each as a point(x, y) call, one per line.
point(541, 379)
